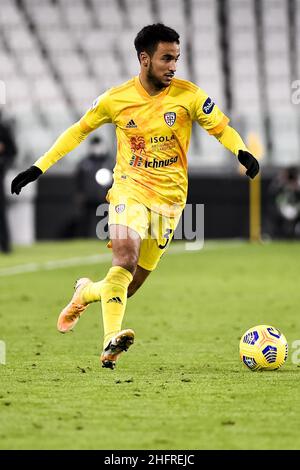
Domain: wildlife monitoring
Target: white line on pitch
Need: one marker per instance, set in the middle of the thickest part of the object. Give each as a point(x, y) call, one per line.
point(56, 264)
point(92, 259)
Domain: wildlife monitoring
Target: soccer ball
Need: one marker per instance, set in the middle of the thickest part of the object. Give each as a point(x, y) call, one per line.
point(263, 347)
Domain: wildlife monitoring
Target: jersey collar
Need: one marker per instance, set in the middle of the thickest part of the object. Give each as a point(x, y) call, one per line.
point(144, 93)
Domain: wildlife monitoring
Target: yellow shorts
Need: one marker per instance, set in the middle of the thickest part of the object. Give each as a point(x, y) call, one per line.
point(155, 230)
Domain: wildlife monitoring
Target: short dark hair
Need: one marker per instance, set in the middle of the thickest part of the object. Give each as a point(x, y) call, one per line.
point(149, 37)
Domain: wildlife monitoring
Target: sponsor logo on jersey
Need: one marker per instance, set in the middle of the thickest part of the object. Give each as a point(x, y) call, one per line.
point(208, 106)
point(120, 208)
point(170, 118)
point(161, 138)
point(137, 144)
point(136, 161)
point(131, 124)
point(160, 163)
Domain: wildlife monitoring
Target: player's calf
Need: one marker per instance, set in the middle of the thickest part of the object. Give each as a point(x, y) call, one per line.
point(138, 280)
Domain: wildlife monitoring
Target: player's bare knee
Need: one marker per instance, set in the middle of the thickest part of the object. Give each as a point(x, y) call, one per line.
point(127, 261)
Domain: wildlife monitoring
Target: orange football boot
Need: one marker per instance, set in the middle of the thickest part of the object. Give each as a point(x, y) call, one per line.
point(75, 308)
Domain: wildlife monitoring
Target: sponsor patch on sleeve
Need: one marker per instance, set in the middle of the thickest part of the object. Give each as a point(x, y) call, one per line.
point(208, 106)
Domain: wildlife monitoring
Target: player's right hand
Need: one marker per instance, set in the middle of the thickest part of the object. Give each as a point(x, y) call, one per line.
point(22, 179)
point(248, 161)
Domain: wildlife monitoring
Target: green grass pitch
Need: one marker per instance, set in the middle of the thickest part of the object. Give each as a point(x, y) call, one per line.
point(181, 385)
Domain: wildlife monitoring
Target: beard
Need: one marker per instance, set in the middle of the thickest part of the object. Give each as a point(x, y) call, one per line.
point(156, 82)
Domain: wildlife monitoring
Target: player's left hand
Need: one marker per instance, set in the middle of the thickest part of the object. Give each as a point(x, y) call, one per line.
point(249, 162)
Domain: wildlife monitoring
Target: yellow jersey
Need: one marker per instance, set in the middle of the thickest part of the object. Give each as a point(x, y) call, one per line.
point(153, 136)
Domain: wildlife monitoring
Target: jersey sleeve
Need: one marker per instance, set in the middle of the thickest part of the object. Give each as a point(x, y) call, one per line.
point(98, 114)
point(207, 114)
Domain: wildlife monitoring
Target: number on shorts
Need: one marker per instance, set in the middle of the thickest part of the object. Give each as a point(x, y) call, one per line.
point(167, 236)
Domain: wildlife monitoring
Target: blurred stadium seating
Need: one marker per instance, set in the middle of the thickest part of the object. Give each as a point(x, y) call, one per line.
point(57, 55)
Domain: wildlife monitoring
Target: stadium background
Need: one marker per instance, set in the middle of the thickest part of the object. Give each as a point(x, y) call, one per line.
point(57, 55)
point(182, 385)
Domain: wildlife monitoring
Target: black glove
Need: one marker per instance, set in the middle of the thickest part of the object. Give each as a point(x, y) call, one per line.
point(22, 179)
point(252, 165)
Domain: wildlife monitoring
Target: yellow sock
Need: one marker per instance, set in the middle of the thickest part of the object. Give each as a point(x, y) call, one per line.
point(113, 291)
point(91, 293)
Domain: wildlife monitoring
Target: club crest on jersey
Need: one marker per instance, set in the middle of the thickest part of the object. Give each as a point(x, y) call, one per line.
point(120, 208)
point(170, 118)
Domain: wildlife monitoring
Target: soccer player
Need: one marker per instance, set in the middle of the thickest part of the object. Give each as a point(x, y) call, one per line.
point(153, 114)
